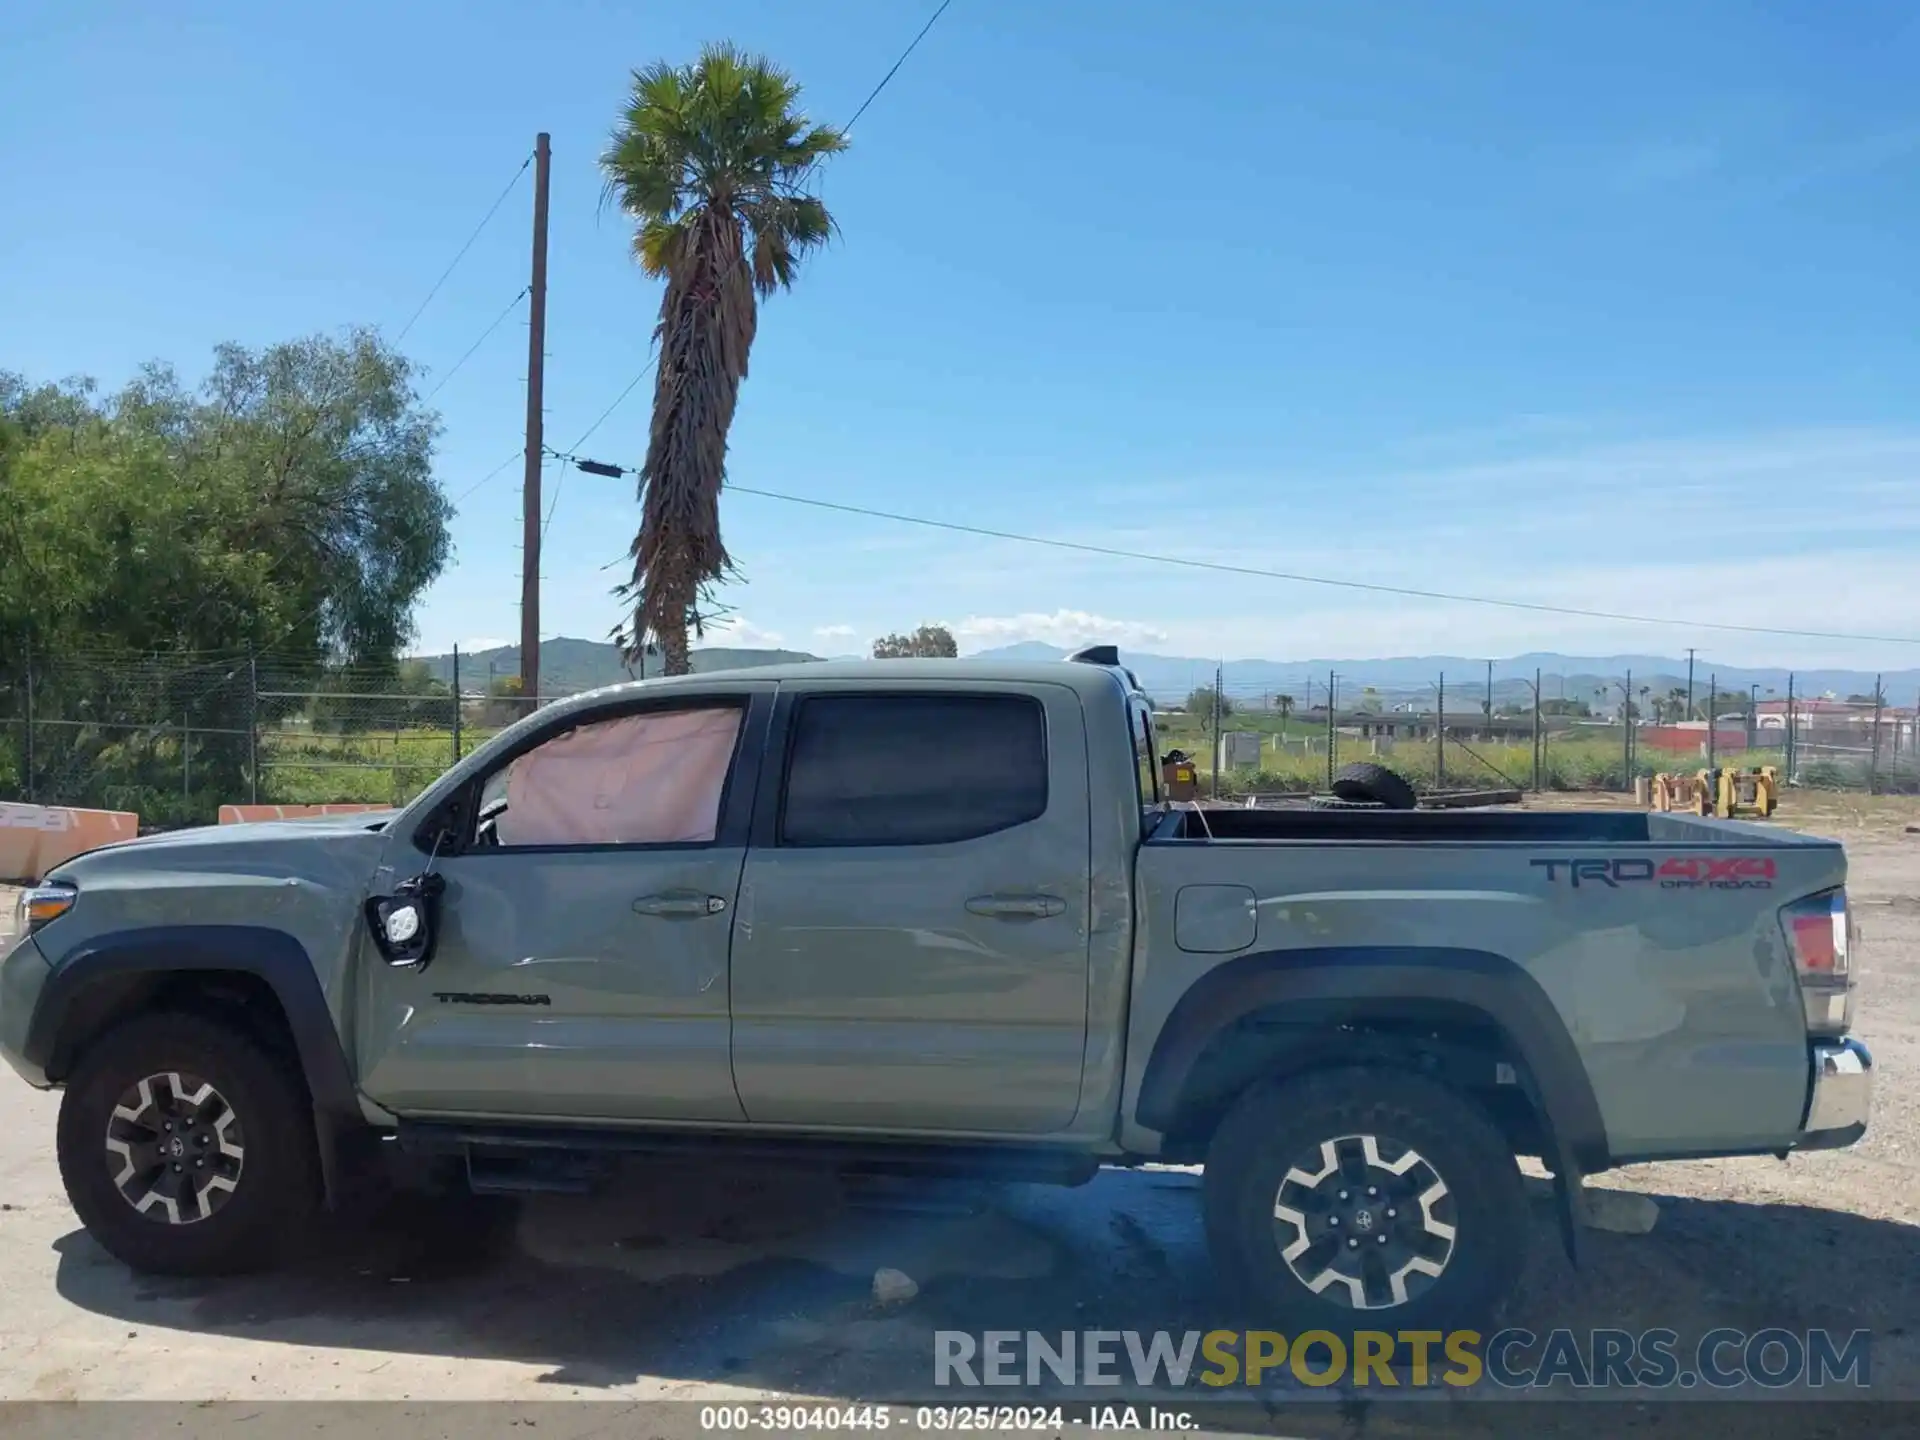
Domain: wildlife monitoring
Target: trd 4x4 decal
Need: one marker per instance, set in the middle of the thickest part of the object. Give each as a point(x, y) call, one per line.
point(1676, 872)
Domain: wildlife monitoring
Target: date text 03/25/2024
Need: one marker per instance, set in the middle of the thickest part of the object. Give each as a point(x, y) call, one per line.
point(975, 1419)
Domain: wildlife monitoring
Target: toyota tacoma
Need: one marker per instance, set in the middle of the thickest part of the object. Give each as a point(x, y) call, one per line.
point(932, 916)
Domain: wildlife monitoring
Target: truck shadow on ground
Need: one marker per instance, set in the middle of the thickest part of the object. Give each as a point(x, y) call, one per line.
point(765, 1277)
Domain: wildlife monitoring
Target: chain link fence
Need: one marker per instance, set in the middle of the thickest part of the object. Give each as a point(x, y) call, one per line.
point(1452, 735)
point(174, 738)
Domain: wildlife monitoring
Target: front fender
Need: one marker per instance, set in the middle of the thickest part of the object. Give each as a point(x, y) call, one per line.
point(1355, 980)
point(272, 955)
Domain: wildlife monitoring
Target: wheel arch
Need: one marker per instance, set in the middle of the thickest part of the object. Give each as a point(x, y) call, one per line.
point(229, 969)
point(1300, 1008)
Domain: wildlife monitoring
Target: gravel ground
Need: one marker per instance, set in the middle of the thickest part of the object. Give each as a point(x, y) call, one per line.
point(702, 1284)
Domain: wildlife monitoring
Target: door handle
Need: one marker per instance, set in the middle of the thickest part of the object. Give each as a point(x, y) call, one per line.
point(679, 905)
point(1016, 907)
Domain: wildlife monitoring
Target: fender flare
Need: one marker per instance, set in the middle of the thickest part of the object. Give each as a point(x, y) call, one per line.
point(272, 955)
point(1507, 995)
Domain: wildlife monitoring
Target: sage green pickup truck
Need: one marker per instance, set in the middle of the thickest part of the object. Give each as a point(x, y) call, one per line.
point(931, 916)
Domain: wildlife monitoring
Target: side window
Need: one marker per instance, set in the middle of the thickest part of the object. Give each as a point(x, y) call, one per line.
point(655, 778)
point(1147, 762)
point(913, 769)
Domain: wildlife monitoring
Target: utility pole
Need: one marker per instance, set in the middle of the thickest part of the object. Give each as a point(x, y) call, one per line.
point(1713, 725)
point(1787, 755)
point(535, 454)
point(1873, 753)
point(1538, 734)
point(1333, 735)
point(1219, 680)
point(1689, 682)
point(1627, 736)
point(1440, 737)
point(1489, 701)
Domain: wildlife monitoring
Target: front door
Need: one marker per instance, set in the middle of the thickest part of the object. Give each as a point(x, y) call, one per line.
point(580, 963)
point(911, 951)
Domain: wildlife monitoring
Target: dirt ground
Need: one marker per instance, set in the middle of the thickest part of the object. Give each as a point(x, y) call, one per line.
point(700, 1284)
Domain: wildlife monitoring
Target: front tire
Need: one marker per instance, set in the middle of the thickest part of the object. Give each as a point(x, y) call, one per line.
point(1360, 1198)
point(186, 1150)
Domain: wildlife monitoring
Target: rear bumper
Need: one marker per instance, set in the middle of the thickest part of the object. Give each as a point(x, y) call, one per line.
point(1840, 1097)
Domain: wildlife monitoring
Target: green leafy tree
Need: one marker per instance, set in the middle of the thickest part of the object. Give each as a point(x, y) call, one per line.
point(934, 642)
point(1200, 706)
point(711, 162)
point(153, 538)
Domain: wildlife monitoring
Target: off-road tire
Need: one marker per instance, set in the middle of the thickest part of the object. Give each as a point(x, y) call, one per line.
point(275, 1193)
point(1366, 781)
point(1273, 1128)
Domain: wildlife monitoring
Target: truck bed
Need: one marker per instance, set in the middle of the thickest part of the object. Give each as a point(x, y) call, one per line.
point(1480, 827)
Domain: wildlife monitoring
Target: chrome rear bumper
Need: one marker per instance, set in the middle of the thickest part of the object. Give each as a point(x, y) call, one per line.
point(1840, 1097)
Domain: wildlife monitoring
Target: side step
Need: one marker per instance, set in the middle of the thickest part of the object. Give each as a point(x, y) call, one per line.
point(553, 1172)
point(515, 1158)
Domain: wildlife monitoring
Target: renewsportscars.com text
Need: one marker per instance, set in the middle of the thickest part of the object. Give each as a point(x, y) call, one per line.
point(1511, 1359)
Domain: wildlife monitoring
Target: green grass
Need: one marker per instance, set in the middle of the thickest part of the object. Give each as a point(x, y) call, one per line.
point(1582, 761)
point(377, 768)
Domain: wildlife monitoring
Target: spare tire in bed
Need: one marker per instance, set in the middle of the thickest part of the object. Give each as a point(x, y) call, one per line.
point(1376, 783)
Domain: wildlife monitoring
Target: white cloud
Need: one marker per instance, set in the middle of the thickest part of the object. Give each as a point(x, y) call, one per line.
point(738, 632)
point(1065, 628)
point(485, 642)
point(834, 632)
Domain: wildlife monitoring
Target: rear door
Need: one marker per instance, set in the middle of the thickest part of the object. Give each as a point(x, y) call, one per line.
point(911, 948)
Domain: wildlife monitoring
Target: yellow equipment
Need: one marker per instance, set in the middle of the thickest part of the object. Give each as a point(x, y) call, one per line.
point(1692, 794)
point(1180, 777)
point(1753, 793)
point(1727, 794)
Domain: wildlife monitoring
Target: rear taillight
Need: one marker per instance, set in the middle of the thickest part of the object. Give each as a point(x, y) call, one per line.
point(1820, 935)
point(1817, 930)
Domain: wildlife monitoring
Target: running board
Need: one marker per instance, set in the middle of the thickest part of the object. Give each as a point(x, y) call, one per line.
point(505, 1153)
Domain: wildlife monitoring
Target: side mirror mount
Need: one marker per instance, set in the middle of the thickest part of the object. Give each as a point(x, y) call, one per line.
point(403, 923)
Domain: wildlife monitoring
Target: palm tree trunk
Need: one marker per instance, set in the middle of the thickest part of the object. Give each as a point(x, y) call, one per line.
point(707, 319)
point(675, 653)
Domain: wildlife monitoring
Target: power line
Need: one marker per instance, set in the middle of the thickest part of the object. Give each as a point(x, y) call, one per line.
point(512, 305)
point(848, 127)
point(461, 254)
point(618, 400)
point(490, 475)
point(553, 503)
point(1221, 567)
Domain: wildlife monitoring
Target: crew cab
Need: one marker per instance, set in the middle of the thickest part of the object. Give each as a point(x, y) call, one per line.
point(934, 916)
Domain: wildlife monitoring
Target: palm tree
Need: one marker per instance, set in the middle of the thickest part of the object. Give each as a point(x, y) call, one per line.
point(711, 162)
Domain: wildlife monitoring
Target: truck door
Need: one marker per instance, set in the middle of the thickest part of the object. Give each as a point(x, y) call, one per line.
point(580, 960)
point(911, 950)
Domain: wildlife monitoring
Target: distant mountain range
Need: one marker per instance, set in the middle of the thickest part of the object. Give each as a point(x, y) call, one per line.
point(1414, 676)
point(568, 665)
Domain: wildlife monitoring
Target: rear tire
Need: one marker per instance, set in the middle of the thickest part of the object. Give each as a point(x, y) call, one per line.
point(1359, 1199)
point(1365, 781)
point(186, 1150)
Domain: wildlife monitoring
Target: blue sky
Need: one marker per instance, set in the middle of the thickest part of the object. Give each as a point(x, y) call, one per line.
point(1468, 296)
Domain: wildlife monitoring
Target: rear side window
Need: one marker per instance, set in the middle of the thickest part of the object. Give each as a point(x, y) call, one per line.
point(913, 769)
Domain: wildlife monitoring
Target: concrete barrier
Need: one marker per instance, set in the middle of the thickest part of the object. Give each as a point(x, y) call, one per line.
point(35, 838)
point(248, 814)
